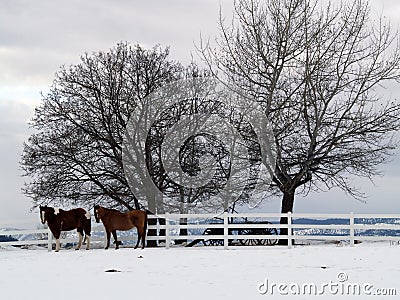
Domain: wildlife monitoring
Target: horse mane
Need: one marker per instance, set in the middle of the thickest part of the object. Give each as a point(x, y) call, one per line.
point(113, 210)
point(110, 209)
point(54, 210)
point(48, 208)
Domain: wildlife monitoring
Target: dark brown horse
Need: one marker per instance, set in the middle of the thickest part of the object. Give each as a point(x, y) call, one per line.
point(114, 220)
point(65, 220)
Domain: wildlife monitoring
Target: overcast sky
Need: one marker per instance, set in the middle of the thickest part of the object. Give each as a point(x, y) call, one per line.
point(37, 37)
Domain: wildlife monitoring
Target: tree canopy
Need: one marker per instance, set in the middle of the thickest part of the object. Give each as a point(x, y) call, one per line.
point(75, 154)
point(316, 67)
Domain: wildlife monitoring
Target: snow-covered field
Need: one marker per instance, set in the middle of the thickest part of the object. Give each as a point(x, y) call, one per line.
point(203, 273)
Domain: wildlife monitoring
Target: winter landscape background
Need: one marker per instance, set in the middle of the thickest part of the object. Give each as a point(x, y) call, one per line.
point(37, 37)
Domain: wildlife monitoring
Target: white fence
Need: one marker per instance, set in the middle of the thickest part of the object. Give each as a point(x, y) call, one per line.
point(229, 224)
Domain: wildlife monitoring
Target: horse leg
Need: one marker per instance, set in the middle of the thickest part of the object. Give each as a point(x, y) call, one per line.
point(87, 238)
point(57, 237)
point(80, 234)
point(114, 233)
point(140, 237)
point(58, 245)
point(108, 239)
point(138, 241)
point(143, 238)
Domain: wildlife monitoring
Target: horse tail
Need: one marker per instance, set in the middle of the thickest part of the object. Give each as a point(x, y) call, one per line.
point(88, 217)
point(88, 229)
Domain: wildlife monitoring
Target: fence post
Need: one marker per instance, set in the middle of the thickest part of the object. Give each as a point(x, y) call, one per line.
point(226, 231)
point(49, 240)
point(351, 229)
point(167, 236)
point(289, 224)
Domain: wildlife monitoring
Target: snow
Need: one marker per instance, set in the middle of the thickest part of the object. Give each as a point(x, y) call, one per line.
point(195, 273)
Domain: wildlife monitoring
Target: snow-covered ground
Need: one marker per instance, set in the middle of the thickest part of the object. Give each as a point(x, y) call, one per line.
point(203, 273)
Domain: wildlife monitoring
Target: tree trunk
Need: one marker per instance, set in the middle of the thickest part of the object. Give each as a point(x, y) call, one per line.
point(182, 231)
point(151, 198)
point(136, 201)
point(151, 232)
point(161, 221)
point(182, 221)
point(287, 206)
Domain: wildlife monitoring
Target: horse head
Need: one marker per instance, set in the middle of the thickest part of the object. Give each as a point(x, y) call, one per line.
point(44, 213)
point(96, 213)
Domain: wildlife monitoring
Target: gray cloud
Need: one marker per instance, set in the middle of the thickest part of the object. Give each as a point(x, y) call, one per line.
point(13, 131)
point(36, 37)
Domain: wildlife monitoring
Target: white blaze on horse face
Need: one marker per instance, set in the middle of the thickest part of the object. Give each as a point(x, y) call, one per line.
point(87, 215)
point(56, 211)
point(42, 216)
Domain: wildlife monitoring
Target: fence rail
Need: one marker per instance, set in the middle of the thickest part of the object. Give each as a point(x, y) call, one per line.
point(170, 229)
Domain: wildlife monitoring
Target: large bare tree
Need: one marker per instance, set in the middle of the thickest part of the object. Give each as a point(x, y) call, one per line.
point(317, 68)
point(74, 155)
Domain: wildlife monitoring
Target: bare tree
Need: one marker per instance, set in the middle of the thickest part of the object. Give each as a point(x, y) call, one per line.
point(316, 69)
point(190, 144)
point(75, 154)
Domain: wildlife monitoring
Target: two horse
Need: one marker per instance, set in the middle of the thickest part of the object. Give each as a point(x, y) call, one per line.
point(114, 220)
point(64, 220)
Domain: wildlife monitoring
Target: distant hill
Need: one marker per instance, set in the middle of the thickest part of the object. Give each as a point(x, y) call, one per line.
point(359, 232)
point(7, 238)
point(322, 222)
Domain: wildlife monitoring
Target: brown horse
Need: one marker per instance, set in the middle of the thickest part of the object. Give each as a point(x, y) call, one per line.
point(65, 220)
point(114, 220)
